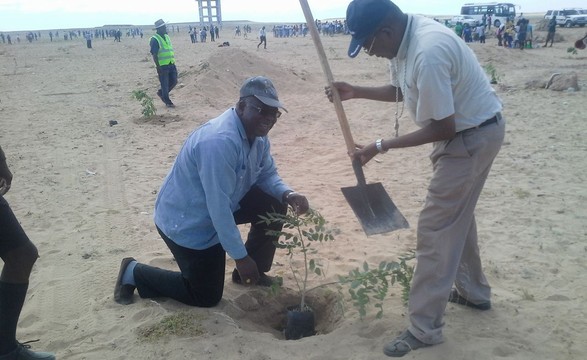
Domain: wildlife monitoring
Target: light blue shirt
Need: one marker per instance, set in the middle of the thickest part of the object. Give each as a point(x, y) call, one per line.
point(213, 171)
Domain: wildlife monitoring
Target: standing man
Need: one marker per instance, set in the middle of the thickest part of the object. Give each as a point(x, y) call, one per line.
point(551, 31)
point(223, 176)
point(522, 30)
point(481, 34)
point(212, 34)
point(19, 255)
point(164, 59)
point(192, 33)
point(262, 38)
point(448, 95)
point(88, 37)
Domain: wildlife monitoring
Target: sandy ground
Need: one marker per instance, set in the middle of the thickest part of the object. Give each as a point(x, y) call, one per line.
point(84, 191)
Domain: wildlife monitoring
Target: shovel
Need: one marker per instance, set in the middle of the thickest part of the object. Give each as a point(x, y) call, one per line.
point(370, 203)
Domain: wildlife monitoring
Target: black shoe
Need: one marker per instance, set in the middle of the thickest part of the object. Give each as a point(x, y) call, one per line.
point(160, 95)
point(170, 105)
point(456, 298)
point(22, 352)
point(123, 293)
point(403, 344)
point(264, 279)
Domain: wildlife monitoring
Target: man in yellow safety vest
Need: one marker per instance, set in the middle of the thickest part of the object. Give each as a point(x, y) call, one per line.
point(164, 59)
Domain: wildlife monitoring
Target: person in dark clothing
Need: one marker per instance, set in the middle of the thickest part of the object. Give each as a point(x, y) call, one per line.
point(523, 29)
point(551, 31)
point(19, 255)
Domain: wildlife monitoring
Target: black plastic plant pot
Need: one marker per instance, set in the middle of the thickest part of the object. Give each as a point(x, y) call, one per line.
point(299, 323)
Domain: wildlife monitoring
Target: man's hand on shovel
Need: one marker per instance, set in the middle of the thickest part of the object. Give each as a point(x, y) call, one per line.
point(345, 90)
point(365, 153)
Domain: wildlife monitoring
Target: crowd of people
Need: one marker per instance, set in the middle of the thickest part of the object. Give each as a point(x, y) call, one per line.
point(518, 35)
point(202, 34)
point(515, 33)
point(197, 34)
point(70, 35)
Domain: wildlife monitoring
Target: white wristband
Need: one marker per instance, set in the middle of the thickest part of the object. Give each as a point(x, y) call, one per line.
point(290, 194)
point(379, 146)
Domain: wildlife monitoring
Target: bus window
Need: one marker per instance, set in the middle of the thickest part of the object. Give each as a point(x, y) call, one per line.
point(500, 12)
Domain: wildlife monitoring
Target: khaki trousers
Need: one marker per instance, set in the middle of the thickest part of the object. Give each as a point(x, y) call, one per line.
point(447, 252)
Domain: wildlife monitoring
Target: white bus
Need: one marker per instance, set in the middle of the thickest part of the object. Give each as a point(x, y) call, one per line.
point(500, 12)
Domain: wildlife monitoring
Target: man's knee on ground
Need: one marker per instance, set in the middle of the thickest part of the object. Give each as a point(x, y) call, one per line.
point(27, 254)
point(21, 259)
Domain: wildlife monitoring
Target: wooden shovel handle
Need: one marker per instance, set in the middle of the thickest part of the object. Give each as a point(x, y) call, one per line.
point(344, 124)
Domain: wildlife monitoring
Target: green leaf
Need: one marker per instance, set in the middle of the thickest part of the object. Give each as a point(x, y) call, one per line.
point(379, 314)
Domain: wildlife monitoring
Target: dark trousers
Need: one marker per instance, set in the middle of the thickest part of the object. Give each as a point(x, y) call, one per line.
point(168, 80)
point(200, 281)
point(12, 235)
point(521, 40)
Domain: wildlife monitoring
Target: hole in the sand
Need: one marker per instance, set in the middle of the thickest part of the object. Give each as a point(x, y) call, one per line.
point(267, 312)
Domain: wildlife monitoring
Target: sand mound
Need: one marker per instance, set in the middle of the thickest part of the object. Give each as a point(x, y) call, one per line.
point(217, 78)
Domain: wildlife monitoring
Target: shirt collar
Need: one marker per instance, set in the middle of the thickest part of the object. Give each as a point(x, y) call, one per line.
point(403, 48)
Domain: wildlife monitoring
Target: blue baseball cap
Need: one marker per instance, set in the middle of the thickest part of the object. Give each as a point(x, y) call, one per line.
point(363, 17)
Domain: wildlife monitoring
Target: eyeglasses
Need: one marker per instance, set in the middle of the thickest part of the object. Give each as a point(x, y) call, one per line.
point(267, 111)
point(368, 50)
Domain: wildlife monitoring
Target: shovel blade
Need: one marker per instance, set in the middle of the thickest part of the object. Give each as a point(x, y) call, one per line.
point(374, 209)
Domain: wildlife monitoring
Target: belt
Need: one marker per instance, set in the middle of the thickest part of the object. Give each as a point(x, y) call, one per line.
point(493, 120)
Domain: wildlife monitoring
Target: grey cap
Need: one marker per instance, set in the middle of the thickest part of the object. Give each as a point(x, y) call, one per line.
point(159, 23)
point(262, 88)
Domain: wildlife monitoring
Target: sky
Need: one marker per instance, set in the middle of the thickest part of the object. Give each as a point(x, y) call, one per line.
point(21, 15)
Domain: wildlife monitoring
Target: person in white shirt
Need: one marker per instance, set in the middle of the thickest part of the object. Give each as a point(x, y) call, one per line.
point(262, 38)
point(481, 34)
point(448, 95)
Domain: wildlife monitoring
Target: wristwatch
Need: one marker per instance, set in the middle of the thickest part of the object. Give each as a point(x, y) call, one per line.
point(287, 195)
point(379, 146)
